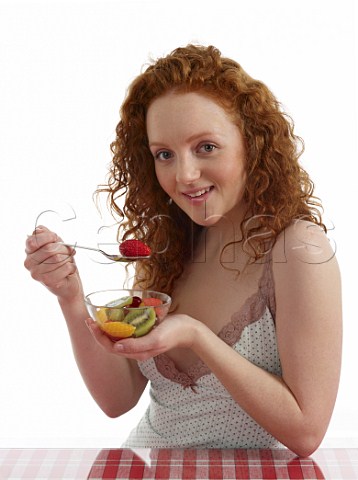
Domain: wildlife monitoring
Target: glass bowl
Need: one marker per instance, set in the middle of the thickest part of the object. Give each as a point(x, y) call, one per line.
point(127, 313)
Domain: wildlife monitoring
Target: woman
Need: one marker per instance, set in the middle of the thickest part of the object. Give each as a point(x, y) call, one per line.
point(250, 355)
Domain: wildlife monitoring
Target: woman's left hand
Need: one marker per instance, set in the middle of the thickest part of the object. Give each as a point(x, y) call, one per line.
point(176, 330)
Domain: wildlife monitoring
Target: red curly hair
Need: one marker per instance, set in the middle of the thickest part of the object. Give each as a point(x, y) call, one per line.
point(278, 189)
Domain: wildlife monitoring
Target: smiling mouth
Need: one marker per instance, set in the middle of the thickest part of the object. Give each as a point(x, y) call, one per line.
point(199, 193)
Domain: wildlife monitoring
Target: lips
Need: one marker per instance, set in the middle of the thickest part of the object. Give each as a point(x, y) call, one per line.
point(198, 192)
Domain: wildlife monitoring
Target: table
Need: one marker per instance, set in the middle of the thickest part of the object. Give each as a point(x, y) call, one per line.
point(82, 464)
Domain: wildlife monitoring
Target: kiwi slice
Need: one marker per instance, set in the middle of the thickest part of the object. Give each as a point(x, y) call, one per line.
point(120, 302)
point(141, 318)
point(114, 311)
point(115, 314)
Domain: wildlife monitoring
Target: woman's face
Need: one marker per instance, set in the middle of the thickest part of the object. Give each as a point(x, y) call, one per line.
point(199, 155)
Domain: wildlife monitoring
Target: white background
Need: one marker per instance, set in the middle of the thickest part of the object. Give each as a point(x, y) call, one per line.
point(64, 68)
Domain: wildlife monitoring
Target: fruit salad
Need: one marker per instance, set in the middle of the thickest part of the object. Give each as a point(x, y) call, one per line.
point(132, 315)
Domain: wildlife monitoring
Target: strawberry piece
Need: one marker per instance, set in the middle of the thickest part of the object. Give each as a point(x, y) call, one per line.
point(134, 248)
point(152, 302)
point(156, 303)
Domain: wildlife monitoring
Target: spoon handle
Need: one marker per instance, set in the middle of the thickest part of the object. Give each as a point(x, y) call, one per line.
point(80, 246)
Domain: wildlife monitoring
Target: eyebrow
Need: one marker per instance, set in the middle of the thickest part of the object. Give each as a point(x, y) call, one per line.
point(190, 139)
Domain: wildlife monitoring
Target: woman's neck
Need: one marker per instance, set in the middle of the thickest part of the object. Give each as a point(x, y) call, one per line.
point(222, 241)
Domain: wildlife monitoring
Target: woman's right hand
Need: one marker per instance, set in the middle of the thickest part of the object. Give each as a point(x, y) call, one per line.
point(52, 263)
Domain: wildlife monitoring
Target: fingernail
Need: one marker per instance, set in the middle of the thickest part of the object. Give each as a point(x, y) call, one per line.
point(119, 346)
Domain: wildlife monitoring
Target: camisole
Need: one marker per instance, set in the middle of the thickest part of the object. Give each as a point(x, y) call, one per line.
point(192, 409)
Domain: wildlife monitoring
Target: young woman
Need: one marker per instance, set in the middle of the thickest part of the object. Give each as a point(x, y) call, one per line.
point(250, 355)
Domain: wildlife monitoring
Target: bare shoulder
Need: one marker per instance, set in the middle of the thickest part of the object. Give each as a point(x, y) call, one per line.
point(305, 267)
point(304, 242)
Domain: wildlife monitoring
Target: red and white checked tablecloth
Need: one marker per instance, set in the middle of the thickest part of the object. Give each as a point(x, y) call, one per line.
point(61, 464)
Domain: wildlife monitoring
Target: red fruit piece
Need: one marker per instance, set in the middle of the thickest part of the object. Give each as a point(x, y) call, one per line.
point(136, 301)
point(152, 302)
point(156, 303)
point(134, 248)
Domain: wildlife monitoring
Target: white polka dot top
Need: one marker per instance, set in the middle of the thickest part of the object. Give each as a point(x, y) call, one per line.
point(192, 409)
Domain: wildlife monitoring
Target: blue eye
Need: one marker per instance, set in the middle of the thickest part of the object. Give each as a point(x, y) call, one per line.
point(163, 155)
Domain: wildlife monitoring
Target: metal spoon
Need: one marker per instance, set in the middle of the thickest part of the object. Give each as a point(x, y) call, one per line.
point(114, 258)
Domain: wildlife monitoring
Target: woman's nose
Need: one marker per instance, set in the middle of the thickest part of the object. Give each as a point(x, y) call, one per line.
point(187, 170)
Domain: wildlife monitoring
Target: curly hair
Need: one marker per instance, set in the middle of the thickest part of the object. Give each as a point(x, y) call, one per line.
point(278, 189)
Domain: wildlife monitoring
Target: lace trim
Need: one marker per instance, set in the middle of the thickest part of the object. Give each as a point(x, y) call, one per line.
point(251, 311)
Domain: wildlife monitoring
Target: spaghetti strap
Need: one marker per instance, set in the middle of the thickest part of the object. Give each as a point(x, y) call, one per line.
point(267, 284)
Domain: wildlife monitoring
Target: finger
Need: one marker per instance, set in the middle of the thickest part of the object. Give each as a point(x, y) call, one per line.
point(134, 346)
point(51, 252)
point(139, 356)
point(42, 263)
point(40, 228)
point(56, 278)
point(42, 236)
point(38, 239)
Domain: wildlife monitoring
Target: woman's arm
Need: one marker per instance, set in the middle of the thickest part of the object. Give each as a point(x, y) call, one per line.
point(115, 383)
point(295, 408)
